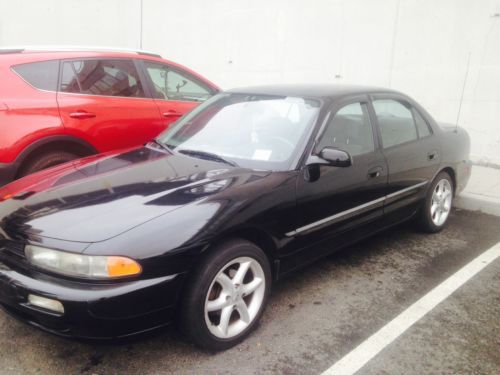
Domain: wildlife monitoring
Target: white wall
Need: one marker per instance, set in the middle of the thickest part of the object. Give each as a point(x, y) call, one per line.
point(420, 47)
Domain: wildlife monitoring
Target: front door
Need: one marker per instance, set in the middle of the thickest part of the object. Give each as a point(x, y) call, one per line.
point(104, 102)
point(341, 200)
point(175, 92)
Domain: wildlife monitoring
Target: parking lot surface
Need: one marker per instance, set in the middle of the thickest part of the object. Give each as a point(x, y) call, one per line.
point(320, 314)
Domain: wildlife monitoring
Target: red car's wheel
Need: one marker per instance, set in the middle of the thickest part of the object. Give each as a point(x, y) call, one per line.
point(46, 160)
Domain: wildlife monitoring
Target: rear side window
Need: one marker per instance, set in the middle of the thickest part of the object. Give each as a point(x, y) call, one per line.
point(101, 77)
point(41, 75)
point(395, 121)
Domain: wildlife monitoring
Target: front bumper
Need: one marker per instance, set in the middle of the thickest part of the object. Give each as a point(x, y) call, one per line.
point(7, 172)
point(94, 311)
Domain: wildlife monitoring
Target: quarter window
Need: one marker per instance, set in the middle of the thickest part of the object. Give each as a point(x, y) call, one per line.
point(171, 84)
point(396, 122)
point(101, 77)
point(41, 75)
point(422, 126)
point(349, 130)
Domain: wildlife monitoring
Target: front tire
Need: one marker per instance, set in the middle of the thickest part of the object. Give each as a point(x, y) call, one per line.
point(435, 212)
point(227, 295)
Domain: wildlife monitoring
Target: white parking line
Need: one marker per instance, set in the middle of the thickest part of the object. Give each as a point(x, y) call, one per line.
point(369, 348)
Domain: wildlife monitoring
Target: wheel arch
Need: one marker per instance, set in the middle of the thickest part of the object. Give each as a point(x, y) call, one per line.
point(451, 172)
point(58, 142)
point(258, 237)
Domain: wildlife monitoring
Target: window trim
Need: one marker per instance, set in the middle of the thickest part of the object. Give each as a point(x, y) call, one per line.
point(150, 83)
point(147, 94)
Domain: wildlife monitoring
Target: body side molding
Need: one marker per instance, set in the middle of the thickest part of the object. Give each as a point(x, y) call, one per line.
point(379, 202)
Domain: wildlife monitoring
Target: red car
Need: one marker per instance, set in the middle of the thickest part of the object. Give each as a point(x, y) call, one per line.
point(59, 105)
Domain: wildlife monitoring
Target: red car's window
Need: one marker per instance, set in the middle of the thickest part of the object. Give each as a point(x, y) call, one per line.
point(171, 84)
point(41, 75)
point(111, 77)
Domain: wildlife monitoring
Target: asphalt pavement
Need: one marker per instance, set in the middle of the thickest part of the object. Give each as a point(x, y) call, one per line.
point(320, 314)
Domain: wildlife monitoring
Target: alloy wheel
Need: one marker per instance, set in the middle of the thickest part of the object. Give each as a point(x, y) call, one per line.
point(235, 297)
point(441, 202)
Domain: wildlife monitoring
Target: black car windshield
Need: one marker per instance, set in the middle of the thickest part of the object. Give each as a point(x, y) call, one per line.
point(252, 131)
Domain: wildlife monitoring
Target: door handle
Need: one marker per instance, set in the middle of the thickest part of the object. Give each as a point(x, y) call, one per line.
point(171, 113)
point(81, 115)
point(375, 172)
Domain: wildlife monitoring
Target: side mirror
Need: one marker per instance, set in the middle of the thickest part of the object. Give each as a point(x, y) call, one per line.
point(336, 157)
point(331, 156)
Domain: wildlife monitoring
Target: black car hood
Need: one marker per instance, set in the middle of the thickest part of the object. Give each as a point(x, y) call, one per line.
point(95, 201)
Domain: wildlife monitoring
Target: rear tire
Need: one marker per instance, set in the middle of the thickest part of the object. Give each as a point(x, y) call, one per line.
point(46, 160)
point(226, 296)
point(434, 213)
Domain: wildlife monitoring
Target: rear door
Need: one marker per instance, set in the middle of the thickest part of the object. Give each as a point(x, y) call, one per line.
point(175, 91)
point(105, 101)
point(411, 150)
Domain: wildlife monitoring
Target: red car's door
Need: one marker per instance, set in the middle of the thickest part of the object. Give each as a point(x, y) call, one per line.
point(105, 102)
point(175, 91)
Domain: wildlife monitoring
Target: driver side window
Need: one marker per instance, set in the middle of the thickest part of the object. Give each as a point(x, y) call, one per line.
point(170, 84)
point(349, 130)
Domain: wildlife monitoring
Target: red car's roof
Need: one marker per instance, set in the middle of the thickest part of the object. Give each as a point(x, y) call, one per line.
point(21, 55)
point(41, 49)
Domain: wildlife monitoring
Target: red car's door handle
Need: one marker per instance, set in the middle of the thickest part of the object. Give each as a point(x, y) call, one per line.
point(171, 114)
point(81, 115)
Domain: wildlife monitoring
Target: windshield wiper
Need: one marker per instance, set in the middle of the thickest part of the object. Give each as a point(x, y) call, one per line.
point(162, 145)
point(207, 155)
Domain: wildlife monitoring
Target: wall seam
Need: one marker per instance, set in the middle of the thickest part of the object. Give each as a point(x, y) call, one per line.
point(393, 48)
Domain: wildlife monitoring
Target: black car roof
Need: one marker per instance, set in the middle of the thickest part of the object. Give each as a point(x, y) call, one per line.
point(312, 90)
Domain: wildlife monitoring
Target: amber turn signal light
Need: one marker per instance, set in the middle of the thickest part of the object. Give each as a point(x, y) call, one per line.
point(120, 266)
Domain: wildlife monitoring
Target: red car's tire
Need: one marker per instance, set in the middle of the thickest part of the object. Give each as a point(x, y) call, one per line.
point(46, 160)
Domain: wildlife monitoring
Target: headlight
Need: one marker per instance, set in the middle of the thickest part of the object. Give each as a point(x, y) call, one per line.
point(88, 266)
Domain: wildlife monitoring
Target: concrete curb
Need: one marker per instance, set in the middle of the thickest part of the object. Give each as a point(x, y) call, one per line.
point(478, 202)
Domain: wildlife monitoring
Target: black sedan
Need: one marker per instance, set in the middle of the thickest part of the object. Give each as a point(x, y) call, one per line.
point(197, 224)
